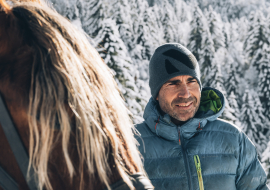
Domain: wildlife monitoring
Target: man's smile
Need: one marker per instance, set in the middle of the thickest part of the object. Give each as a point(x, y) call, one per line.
point(184, 106)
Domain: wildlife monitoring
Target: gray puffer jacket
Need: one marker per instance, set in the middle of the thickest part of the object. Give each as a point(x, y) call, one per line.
point(204, 153)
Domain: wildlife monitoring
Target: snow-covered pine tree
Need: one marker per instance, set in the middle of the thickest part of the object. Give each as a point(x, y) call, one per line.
point(198, 30)
point(143, 38)
point(113, 51)
point(226, 32)
point(213, 77)
point(232, 88)
point(257, 37)
point(183, 16)
point(233, 75)
point(257, 48)
point(215, 27)
point(67, 9)
point(169, 23)
point(123, 12)
point(201, 44)
point(181, 10)
point(253, 120)
point(139, 46)
point(264, 79)
point(92, 13)
point(234, 112)
point(158, 34)
point(120, 12)
point(151, 33)
point(134, 44)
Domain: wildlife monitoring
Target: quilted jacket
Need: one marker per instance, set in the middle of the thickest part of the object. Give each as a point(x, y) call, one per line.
point(204, 153)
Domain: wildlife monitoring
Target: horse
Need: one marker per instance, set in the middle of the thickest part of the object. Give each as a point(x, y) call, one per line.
point(65, 106)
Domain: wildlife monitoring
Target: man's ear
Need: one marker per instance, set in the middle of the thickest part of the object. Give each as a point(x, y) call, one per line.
point(157, 98)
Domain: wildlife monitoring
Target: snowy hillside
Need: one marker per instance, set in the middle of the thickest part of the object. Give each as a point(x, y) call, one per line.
point(230, 40)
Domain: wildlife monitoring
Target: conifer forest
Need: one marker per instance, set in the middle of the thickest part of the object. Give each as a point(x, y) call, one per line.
point(230, 39)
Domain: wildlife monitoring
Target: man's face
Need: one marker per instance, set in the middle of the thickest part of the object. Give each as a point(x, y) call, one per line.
point(180, 98)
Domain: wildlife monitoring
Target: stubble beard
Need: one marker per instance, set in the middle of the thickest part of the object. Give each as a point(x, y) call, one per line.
point(183, 115)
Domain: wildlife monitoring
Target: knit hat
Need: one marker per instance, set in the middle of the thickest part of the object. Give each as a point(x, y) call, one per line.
point(168, 61)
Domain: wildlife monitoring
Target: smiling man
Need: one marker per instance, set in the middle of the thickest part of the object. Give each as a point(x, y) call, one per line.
point(184, 144)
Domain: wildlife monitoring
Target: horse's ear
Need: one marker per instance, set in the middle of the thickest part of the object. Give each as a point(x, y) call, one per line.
point(5, 7)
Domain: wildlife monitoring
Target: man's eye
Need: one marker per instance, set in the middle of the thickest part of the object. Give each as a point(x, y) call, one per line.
point(173, 83)
point(192, 81)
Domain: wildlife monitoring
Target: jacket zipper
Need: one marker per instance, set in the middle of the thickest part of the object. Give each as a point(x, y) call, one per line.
point(185, 159)
point(199, 171)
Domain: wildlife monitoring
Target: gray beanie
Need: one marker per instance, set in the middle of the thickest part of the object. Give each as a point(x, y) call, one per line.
point(168, 61)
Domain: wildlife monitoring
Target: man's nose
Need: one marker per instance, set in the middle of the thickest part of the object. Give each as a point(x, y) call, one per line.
point(183, 91)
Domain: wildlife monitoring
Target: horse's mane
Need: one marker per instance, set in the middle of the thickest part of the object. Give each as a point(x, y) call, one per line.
point(62, 81)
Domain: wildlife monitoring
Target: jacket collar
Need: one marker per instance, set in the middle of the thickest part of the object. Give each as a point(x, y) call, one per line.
point(162, 125)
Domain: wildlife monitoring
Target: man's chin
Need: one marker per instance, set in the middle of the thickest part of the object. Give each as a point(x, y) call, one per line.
point(184, 118)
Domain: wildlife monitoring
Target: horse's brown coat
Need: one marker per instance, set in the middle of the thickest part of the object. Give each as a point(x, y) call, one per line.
point(15, 77)
point(58, 170)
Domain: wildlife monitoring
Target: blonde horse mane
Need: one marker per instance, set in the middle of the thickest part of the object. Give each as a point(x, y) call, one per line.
point(72, 86)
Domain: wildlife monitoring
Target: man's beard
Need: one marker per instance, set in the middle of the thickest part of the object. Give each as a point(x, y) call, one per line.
point(186, 114)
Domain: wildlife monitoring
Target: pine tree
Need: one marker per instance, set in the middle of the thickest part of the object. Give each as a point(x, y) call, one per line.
point(182, 11)
point(137, 44)
point(141, 31)
point(257, 48)
point(201, 44)
point(115, 55)
point(215, 28)
point(264, 79)
point(231, 84)
point(150, 33)
point(169, 23)
point(253, 120)
point(256, 39)
point(92, 13)
point(198, 32)
point(226, 32)
point(213, 77)
point(233, 80)
point(67, 9)
point(120, 12)
point(234, 109)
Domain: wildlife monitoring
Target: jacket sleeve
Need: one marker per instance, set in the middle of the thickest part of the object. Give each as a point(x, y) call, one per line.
point(250, 174)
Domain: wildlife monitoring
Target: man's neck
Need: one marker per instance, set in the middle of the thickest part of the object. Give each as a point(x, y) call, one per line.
point(177, 122)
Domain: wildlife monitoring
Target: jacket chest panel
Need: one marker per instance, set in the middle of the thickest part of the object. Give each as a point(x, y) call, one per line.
point(222, 164)
point(156, 147)
point(172, 167)
point(212, 142)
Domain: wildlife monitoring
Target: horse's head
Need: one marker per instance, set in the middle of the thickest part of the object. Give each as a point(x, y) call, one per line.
point(52, 70)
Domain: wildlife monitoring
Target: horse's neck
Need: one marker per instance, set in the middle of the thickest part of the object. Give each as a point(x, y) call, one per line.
point(7, 158)
point(57, 168)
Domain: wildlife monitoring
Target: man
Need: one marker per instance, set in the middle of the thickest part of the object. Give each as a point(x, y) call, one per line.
point(184, 144)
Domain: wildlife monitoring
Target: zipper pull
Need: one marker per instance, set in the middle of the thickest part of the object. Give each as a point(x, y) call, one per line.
point(199, 171)
point(179, 136)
